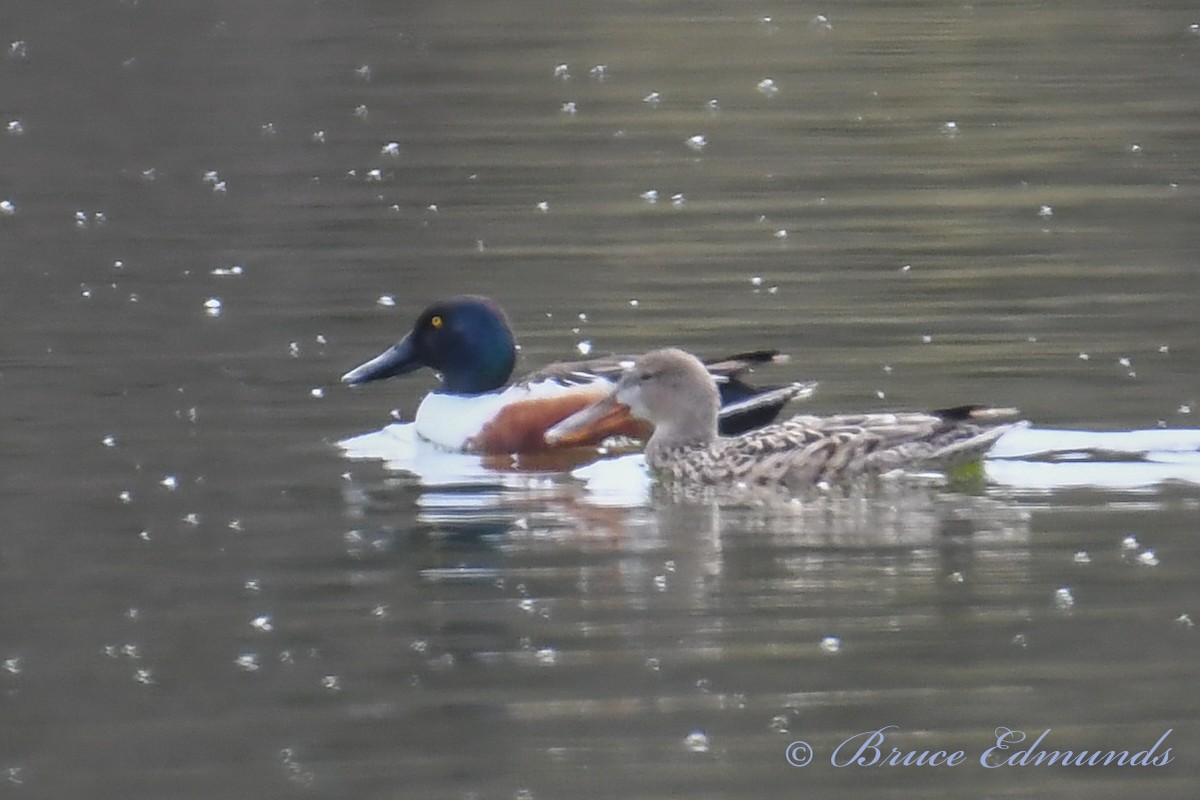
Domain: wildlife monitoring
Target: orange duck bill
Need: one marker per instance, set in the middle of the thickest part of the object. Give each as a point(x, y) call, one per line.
point(606, 417)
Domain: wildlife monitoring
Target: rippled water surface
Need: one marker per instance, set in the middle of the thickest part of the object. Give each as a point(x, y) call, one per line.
point(204, 205)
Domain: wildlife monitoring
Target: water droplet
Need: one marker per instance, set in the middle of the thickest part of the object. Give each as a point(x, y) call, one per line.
point(212, 306)
point(13, 665)
point(386, 300)
point(1064, 598)
point(654, 98)
point(361, 112)
point(331, 683)
point(7, 208)
point(713, 106)
point(768, 87)
point(563, 72)
point(821, 22)
point(317, 392)
point(697, 142)
point(650, 195)
point(1130, 542)
point(1184, 621)
point(781, 234)
point(263, 623)
point(247, 662)
point(391, 149)
point(569, 107)
point(547, 657)
point(696, 742)
point(927, 338)
point(15, 128)
point(599, 72)
point(318, 137)
point(109, 441)
point(543, 206)
point(363, 72)
point(831, 644)
point(171, 482)
point(1046, 211)
point(1147, 558)
point(1082, 557)
point(584, 347)
point(1135, 149)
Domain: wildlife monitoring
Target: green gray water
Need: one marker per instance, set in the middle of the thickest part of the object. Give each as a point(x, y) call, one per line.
point(220, 604)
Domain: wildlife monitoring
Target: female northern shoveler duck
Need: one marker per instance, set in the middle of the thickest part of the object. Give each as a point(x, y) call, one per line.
point(672, 390)
point(469, 342)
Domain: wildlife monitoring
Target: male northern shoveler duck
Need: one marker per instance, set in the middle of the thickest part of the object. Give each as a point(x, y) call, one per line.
point(671, 390)
point(468, 341)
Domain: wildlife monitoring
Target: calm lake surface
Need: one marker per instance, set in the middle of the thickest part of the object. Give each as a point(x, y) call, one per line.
point(202, 206)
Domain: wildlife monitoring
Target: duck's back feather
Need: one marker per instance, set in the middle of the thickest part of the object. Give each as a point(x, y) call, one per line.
point(806, 450)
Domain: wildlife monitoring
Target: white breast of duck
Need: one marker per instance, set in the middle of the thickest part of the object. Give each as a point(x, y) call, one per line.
point(456, 422)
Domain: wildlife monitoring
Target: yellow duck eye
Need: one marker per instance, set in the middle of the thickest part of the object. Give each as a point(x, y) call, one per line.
point(436, 322)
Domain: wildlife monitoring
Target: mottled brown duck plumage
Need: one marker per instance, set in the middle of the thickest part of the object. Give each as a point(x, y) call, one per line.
point(671, 389)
